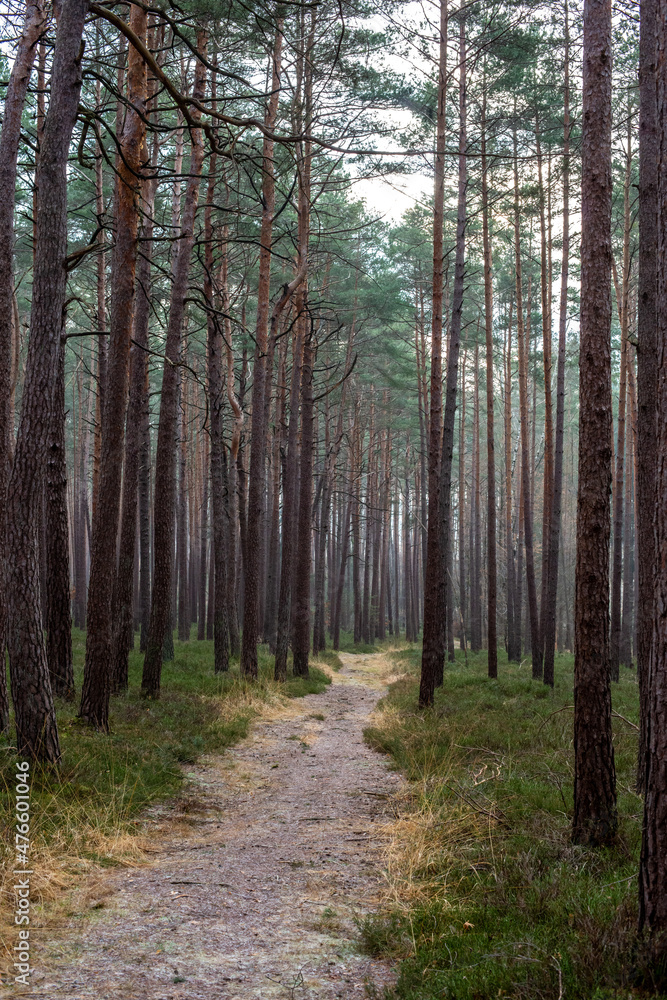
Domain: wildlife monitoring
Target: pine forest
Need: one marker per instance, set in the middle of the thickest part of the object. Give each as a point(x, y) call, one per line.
point(333, 499)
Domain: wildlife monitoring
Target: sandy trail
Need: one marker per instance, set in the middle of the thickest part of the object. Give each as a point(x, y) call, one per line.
point(259, 871)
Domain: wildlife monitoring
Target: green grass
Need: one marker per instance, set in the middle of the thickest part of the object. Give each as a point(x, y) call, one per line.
point(106, 780)
point(348, 645)
point(492, 897)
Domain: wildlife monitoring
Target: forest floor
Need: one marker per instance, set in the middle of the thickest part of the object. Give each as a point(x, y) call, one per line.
point(259, 871)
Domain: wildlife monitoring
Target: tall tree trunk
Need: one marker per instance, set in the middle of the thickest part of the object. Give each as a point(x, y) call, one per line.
point(274, 534)
point(595, 816)
point(492, 593)
point(628, 549)
point(133, 474)
point(545, 292)
point(165, 457)
point(36, 730)
point(220, 534)
point(203, 543)
point(475, 522)
point(463, 588)
point(455, 324)
point(301, 638)
point(17, 88)
point(97, 670)
point(653, 862)
point(233, 501)
point(523, 347)
point(549, 614)
point(289, 513)
point(182, 518)
point(59, 615)
point(513, 613)
point(255, 511)
point(433, 649)
point(647, 363)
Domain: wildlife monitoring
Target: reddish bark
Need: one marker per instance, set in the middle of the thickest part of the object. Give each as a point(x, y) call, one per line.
point(97, 670)
point(165, 458)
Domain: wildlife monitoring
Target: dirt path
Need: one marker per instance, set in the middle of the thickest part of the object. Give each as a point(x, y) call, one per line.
point(256, 881)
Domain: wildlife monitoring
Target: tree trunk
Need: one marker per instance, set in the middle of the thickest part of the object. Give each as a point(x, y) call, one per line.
point(475, 522)
point(135, 478)
point(289, 518)
point(36, 730)
point(547, 504)
point(59, 616)
point(17, 88)
point(653, 862)
point(647, 386)
point(513, 613)
point(165, 457)
point(433, 649)
point(97, 671)
point(492, 597)
point(595, 816)
point(251, 621)
point(182, 517)
point(301, 639)
point(549, 614)
point(526, 499)
point(456, 320)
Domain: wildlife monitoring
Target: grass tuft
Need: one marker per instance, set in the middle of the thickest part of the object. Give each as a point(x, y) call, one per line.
point(486, 895)
point(83, 818)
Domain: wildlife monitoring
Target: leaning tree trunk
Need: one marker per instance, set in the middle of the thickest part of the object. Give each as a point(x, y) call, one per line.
point(165, 457)
point(97, 670)
point(595, 817)
point(36, 730)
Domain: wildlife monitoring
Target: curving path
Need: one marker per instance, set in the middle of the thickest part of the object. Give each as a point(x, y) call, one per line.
point(259, 871)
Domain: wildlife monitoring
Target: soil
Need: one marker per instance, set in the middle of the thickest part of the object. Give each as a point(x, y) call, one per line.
point(258, 875)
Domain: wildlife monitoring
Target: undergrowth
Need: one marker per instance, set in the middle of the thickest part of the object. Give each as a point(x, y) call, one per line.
point(487, 896)
point(84, 815)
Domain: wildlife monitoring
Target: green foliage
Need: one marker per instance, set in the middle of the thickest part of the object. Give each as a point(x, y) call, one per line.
point(511, 907)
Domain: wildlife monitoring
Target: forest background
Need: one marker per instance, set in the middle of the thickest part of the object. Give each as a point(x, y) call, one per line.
point(222, 418)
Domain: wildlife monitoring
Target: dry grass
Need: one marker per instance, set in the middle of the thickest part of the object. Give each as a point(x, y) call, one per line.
point(79, 829)
point(430, 834)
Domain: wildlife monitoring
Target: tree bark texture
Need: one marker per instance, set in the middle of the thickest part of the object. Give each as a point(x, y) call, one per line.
point(595, 816)
point(36, 730)
point(165, 457)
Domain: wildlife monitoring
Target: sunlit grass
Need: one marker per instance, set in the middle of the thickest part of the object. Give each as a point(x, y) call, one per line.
point(84, 815)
